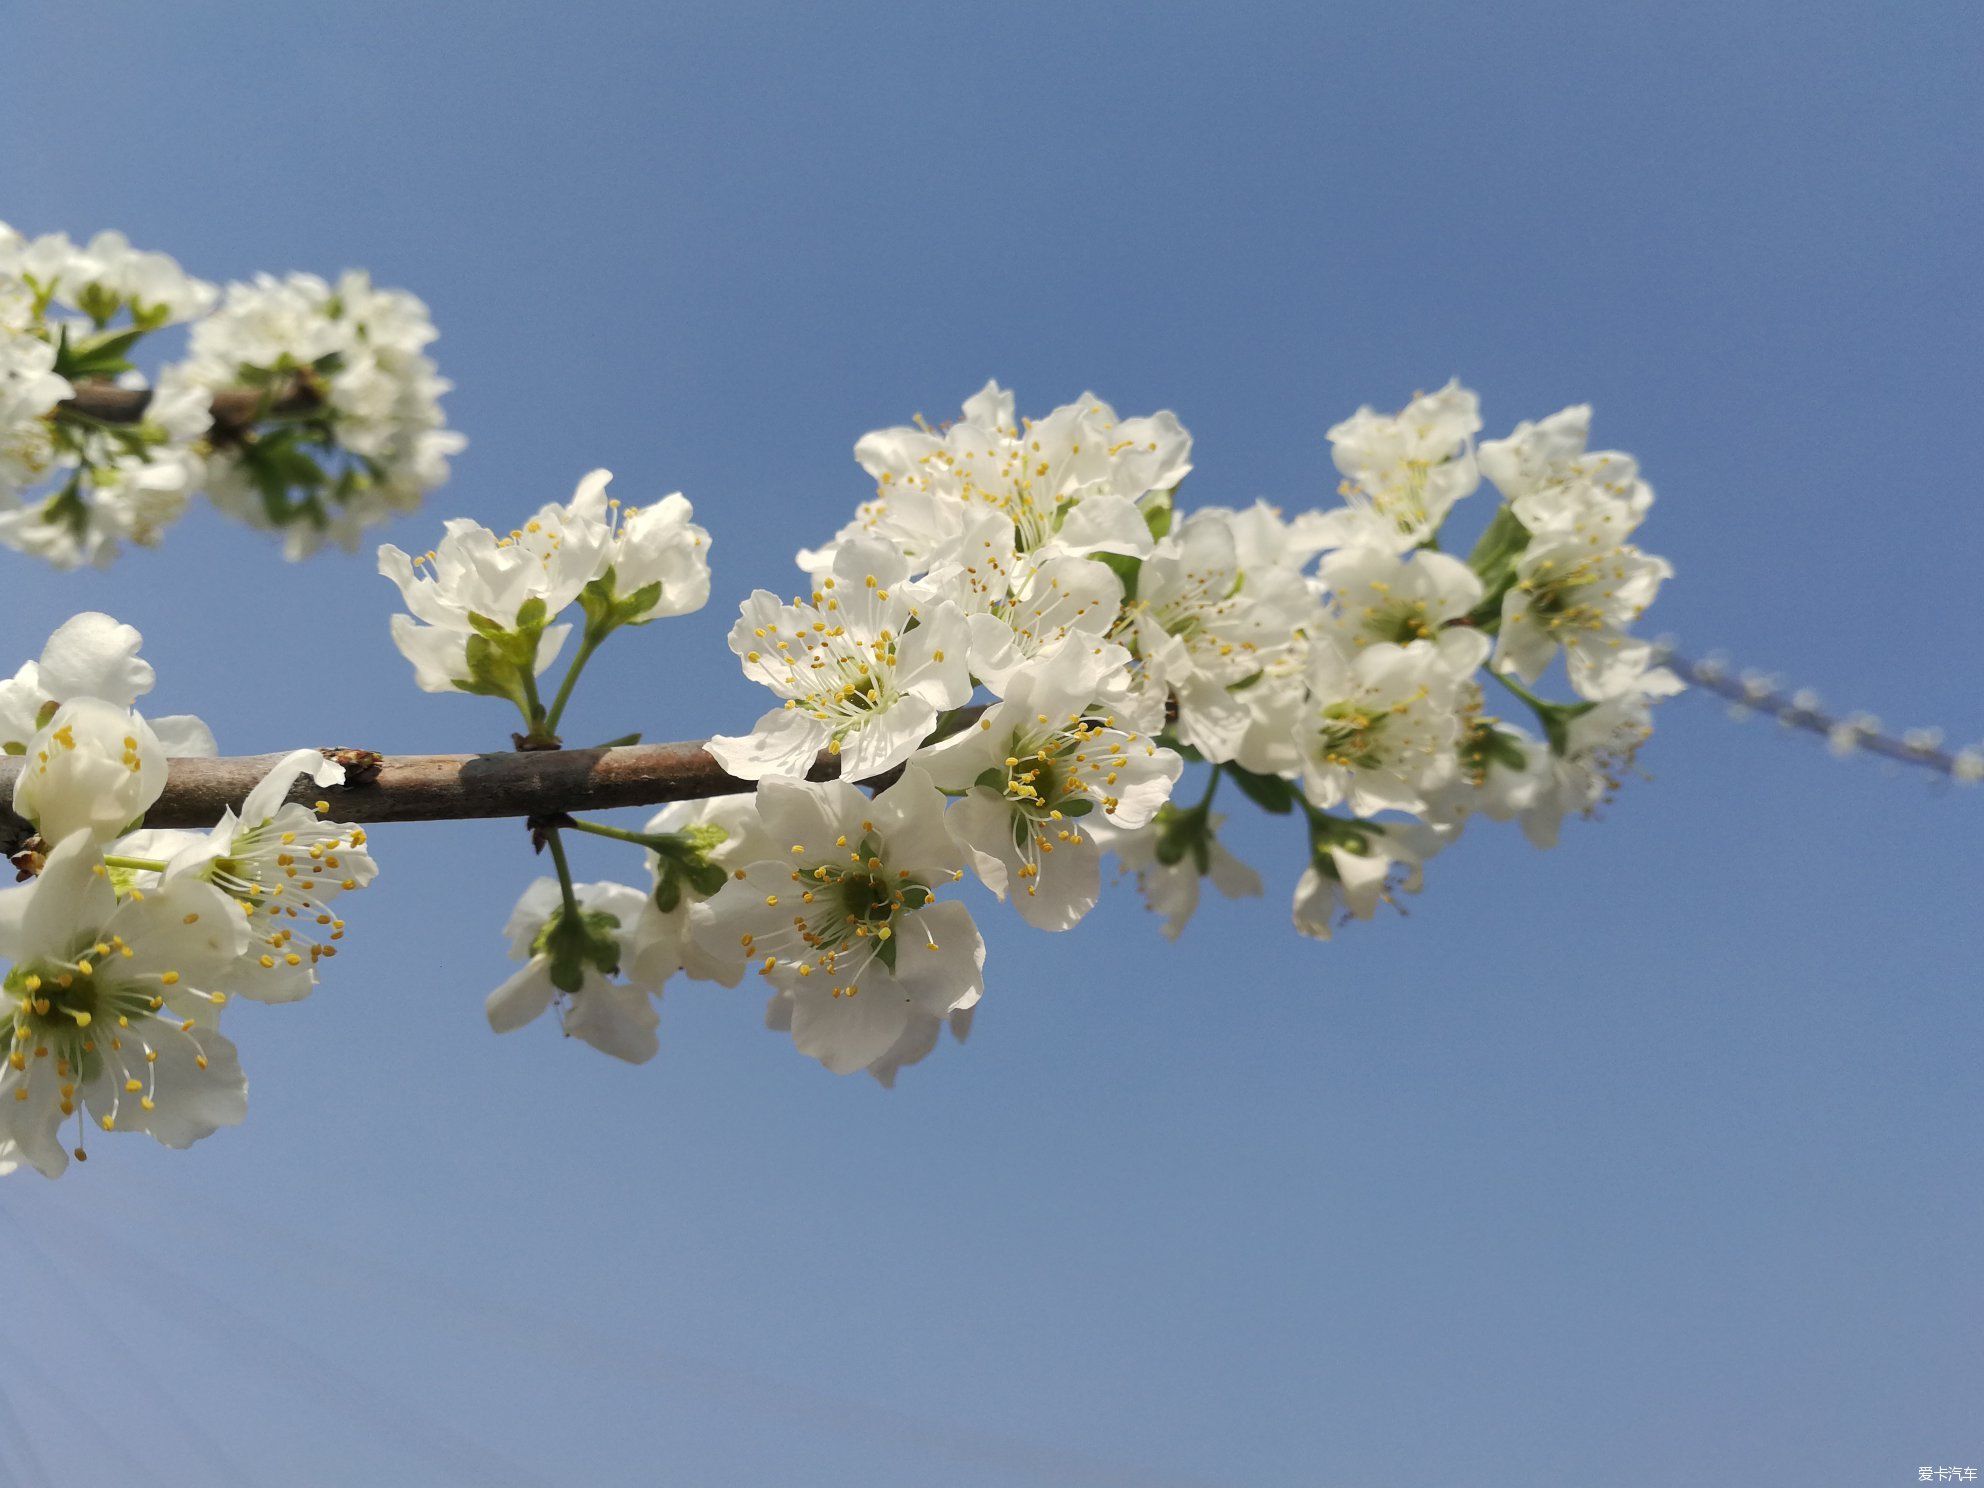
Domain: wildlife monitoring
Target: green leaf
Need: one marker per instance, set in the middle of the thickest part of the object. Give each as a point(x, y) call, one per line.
point(1269, 792)
point(101, 356)
point(1125, 568)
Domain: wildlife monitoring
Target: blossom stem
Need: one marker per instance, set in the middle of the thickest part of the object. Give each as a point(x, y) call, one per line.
point(1539, 706)
point(587, 646)
point(1212, 784)
point(618, 834)
point(532, 708)
point(552, 841)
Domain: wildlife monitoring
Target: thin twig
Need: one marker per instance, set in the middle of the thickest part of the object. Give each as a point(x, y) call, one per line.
point(1846, 734)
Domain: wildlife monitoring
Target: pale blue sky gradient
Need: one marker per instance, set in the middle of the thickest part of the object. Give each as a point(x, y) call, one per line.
point(1650, 1161)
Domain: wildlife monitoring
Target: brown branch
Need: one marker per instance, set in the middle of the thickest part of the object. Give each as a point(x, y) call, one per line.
point(235, 409)
point(450, 787)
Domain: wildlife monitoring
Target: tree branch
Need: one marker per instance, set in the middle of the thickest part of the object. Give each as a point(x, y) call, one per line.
point(235, 409)
point(450, 787)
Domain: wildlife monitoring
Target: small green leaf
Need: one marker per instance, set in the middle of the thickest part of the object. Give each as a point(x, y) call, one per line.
point(1269, 792)
point(1125, 568)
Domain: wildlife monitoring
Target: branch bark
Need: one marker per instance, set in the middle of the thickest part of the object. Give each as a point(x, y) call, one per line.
point(451, 787)
point(235, 409)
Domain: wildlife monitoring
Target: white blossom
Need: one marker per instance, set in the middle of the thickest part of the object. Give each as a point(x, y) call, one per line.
point(1582, 592)
point(105, 276)
point(474, 583)
point(1034, 768)
point(1379, 729)
point(89, 656)
point(285, 865)
point(724, 832)
point(864, 669)
point(1356, 866)
point(614, 1016)
point(1205, 630)
point(843, 917)
point(1377, 595)
point(93, 768)
point(380, 441)
point(1018, 604)
point(658, 558)
point(1403, 472)
point(1551, 480)
point(1168, 879)
point(1072, 480)
point(111, 1004)
point(1600, 744)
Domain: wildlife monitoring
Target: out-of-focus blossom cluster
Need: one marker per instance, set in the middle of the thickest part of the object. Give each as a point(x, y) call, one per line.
point(123, 944)
point(1026, 641)
point(302, 406)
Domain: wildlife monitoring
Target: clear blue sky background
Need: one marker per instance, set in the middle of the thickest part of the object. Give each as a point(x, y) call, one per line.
point(1650, 1161)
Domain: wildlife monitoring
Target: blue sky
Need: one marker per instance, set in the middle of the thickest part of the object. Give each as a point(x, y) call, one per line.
point(1648, 1161)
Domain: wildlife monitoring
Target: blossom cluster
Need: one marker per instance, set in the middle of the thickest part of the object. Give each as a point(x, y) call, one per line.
point(302, 406)
point(1027, 638)
point(125, 943)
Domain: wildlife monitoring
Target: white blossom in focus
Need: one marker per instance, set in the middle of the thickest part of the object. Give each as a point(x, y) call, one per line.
point(93, 768)
point(1018, 604)
point(657, 557)
point(1072, 480)
point(843, 919)
point(1379, 596)
point(860, 680)
point(112, 1004)
point(1033, 769)
point(1205, 631)
point(284, 864)
point(474, 582)
point(90, 656)
point(708, 840)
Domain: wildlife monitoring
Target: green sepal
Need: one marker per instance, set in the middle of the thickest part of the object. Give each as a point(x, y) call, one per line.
point(606, 609)
point(1338, 833)
point(885, 952)
point(571, 944)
